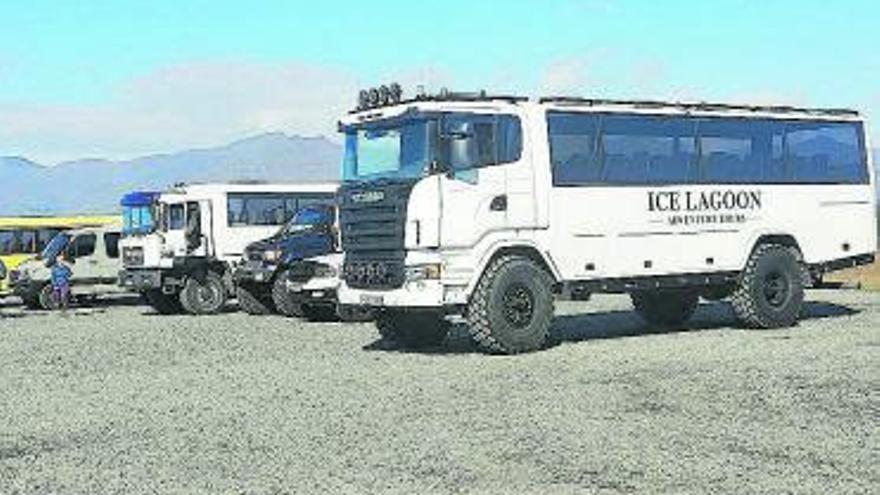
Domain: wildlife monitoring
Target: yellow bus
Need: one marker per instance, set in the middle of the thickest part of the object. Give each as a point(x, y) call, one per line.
point(22, 238)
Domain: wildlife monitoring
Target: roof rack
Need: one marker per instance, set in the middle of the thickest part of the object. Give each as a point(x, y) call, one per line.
point(387, 96)
point(446, 95)
point(699, 106)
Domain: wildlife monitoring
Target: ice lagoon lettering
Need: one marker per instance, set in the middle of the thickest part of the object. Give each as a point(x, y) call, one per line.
point(704, 207)
point(694, 201)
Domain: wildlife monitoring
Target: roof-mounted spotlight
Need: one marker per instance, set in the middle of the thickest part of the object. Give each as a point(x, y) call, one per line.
point(396, 92)
point(390, 94)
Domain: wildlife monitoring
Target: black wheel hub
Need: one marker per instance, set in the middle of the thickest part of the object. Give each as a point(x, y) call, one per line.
point(776, 289)
point(206, 294)
point(519, 305)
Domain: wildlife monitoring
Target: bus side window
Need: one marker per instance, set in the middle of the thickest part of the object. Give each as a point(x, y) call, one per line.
point(111, 244)
point(43, 238)
point(29, 241)
point(825, 152)
point(6, 242)
point(83, 245)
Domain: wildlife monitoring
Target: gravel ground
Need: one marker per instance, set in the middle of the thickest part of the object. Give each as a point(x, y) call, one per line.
point(115, 399)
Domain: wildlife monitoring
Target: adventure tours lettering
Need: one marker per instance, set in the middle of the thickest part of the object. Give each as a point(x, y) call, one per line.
point(704, 207)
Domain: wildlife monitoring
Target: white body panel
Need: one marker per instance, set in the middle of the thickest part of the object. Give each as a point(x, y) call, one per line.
point(222, 240)
point(610, 232)
point(93, 274)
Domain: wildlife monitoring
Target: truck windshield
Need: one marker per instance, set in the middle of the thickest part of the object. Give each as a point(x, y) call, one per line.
point(138, 219)
point(390, 149)
point(306, 219)
point(55, 246)
point(403, 148)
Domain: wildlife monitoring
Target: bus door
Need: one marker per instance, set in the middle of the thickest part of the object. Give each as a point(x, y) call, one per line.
point(199, 230)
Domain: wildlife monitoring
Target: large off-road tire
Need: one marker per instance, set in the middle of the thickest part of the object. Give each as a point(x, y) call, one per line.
point(354, 314)
point(46, 298)
point(665, 308)
point(511, 309)
point(416, 329)
point(203, 293)
point(31, 301)
point(253, 301)
point(771, 288)
point(163, 304)
point(284, 300)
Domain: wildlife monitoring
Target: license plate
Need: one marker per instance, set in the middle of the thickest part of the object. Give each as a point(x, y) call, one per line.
point(371, 300)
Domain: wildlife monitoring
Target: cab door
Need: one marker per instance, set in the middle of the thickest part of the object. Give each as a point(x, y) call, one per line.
point(484, 178)
point(198, 233)
point(174, 225)
point(82, 252)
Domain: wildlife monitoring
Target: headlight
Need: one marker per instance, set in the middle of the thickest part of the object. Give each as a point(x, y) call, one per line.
point(325, 271)
point(272, 255)
point(423, 272)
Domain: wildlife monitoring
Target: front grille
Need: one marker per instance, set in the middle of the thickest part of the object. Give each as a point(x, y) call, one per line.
point(375, 274)
point(372, 220)
point(302, 271)
point(133, 256)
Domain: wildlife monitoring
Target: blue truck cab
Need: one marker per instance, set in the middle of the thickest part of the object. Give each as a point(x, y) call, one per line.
point(295, 272)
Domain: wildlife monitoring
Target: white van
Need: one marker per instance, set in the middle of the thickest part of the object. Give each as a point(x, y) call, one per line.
point(93, 253)
point(490, 207)
point(180, 246)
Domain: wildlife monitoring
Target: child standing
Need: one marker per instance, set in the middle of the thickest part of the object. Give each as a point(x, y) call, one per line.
point(61, 274)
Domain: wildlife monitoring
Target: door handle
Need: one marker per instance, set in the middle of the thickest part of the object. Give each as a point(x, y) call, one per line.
point(499, 203)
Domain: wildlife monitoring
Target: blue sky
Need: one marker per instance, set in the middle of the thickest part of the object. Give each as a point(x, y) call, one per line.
point(118, 79)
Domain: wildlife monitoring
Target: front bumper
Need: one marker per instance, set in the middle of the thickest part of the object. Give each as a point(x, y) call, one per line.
point(140, 280)
point(419, 294)
point(254, 272)
point(314, 290)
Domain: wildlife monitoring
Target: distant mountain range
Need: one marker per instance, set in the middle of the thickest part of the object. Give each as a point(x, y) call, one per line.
point(96, 186)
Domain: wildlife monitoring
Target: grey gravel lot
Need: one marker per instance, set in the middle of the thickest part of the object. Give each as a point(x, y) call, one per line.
point(115, 399)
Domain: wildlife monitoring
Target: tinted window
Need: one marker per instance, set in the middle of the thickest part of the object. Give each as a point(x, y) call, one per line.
point(305, 201)
point(741, 150)
point(269, 209)
point(7, 240)
point(472, 141)
point(825, 152)
point(111, 244)
point(573, 143)
point(17, 241)
point(43, 238)
point(630, 149)
point(639, 149)
point(175, 217)
point(83, 245)
point(620, 149)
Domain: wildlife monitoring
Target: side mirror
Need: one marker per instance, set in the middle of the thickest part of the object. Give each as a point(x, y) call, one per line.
point(455, 130)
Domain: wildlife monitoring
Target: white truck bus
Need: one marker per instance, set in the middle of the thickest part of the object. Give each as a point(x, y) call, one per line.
point(180, 247)
point(492, 207)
